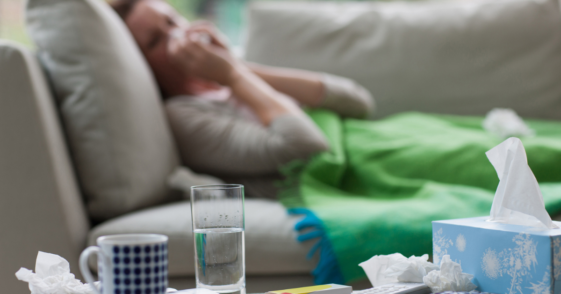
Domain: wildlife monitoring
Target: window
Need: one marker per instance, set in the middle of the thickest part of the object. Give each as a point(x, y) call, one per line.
point(12, 21)
point(226, 14)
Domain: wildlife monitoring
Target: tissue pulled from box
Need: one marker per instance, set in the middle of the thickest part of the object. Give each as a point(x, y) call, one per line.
point(52, 276)
point(504, 123)
point(393, 268)
point(449, 278)
point(518, 199)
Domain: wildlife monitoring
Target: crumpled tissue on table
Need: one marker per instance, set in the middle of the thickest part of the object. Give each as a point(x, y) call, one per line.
point(52, 276)
point(393, 268)
point(449, 278)
point(504, 123)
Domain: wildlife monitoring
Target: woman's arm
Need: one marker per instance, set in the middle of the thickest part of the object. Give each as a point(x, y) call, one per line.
point(216, 63)
point(311, 89)
point(266, 102)
point(314, 89)
point(304, 86)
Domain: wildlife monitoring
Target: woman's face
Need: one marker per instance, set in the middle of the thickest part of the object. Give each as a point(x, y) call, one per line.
point(150, 23)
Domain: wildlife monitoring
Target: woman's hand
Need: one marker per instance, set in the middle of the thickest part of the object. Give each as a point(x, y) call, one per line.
point(206, 59)
point(200, 52)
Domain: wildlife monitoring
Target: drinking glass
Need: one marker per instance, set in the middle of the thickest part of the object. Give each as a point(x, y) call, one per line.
point(218, 229)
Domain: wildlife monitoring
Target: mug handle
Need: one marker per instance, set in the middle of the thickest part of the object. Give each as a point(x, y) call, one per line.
point(85, 268)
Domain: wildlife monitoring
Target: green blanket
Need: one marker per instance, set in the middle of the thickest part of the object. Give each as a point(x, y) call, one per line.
point(383, 182)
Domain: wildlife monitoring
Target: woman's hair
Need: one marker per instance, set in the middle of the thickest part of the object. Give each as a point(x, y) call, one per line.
point(123, 7)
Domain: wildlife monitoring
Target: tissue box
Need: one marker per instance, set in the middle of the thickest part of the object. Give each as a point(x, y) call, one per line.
point(503, 258)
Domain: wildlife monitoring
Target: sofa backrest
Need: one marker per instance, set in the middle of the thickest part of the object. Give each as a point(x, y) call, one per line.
point(456, 57)
point(109, 103)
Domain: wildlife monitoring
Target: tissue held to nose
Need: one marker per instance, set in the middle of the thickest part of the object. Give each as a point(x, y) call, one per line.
point(179, 34)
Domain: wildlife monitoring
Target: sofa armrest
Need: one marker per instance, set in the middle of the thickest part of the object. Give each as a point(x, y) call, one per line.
point(40, 205)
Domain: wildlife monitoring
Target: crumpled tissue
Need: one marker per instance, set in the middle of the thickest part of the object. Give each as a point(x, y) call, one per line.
point(393, 268)
point(449, 278)
point(52, 276)
point(518, 199)
point(504, 123)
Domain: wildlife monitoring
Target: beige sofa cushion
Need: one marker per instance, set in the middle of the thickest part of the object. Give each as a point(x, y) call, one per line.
point(110, 106)
point(459, 57)
point(270, 238)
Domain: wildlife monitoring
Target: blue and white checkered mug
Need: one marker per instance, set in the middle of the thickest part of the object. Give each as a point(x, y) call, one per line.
point(129, 264)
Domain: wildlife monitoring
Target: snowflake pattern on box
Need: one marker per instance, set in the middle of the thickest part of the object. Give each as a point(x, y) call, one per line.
point(515, 262)
point(491, 264)
point(441, 245)
point(543, 287)
point(557, 258)
point(461, 243)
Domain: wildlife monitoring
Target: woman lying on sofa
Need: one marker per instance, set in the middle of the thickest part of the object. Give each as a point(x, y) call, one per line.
point(378, 187)
point(231, 118)
point(243, 122)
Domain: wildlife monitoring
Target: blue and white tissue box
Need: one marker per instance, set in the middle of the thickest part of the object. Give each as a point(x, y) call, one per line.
point(503, 258)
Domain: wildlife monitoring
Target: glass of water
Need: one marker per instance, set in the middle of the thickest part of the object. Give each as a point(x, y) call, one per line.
point(218, 229)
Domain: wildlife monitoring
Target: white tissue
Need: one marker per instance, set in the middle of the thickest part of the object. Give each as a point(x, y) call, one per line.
point(504, 123)
point(393, 268)
point(179, 34)
point(449, 278)
point(52, 276)
point(518, 199)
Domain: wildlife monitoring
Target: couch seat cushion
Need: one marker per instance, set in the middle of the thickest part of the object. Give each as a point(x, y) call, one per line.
point(270, 239)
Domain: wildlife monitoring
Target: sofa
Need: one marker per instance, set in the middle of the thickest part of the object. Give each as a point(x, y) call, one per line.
point(43, 209)
point(454, 57)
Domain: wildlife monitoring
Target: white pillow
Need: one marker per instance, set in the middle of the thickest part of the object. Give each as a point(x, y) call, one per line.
point(122, 147)
point(457, 57)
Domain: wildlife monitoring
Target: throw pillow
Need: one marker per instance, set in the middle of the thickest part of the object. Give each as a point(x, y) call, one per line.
point(109, 103)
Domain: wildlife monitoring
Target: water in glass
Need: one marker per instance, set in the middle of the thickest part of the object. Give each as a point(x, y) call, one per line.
point(219, 254)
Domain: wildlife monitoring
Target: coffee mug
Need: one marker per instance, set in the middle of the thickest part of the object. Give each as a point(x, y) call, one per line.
point(129, 264)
